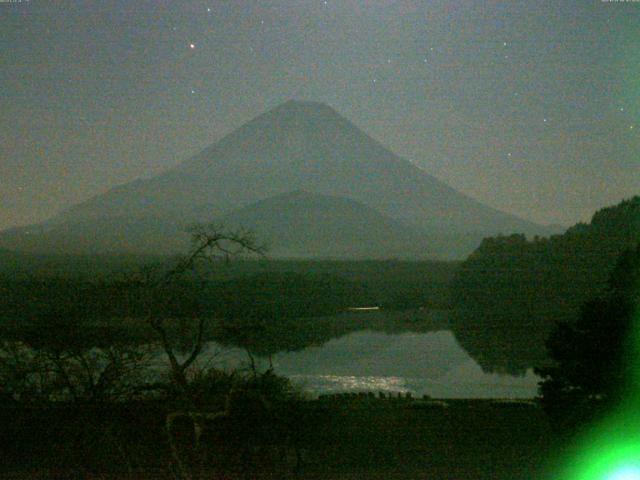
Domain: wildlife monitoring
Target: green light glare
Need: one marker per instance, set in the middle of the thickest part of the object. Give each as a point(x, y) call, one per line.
point(611, 455)
point(634, 351)
point(626, 473)
point(611, 450)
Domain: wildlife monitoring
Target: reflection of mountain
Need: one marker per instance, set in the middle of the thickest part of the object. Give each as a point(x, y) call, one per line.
point(267, 334)
point(367, 353)
point(367, 360)
point(296, 146)
point(510, 292)
point(429, 363)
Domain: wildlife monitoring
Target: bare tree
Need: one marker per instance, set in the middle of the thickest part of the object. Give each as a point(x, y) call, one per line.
point(210, 243)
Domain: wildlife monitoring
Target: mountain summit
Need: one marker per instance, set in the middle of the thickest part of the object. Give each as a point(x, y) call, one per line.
point(298, 146)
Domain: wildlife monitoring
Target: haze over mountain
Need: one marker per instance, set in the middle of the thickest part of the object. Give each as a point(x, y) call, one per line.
point(297, 146)
point(302, 224)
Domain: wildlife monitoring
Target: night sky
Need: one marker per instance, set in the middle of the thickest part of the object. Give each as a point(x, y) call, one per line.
point(530, 106)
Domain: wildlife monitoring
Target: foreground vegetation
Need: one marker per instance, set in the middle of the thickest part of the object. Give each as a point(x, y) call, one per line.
point(337, 439)
point(104, 376)
point(510, 293)
point(114, 363)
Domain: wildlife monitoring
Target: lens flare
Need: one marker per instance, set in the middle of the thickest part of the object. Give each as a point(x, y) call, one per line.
point(611, 450)
point(625, 473)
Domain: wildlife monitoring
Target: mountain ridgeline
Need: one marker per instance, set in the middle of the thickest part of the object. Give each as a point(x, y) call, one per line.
point(302, 175)
point(301, 224)
point(510, 292)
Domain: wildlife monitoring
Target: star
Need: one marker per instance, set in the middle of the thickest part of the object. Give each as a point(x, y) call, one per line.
point(192, 91)
point(192, 46)
point(209, 9)
point(544, 120)
point(509, 154)
point(504, 43)
point(622, 109)
point(630, 127)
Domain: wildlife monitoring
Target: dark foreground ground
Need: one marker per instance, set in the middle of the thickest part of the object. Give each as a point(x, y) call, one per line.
point(348, 438)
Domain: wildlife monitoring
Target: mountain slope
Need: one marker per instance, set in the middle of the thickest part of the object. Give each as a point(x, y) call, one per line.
point(104, 235)
point(296, 146)
point(296, 224)
point(307, 146)
point(302, 224)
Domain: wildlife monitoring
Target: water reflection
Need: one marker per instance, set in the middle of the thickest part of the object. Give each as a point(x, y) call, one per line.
point(421, 363)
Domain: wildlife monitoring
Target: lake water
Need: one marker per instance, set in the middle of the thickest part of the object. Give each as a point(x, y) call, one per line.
point(421, 363)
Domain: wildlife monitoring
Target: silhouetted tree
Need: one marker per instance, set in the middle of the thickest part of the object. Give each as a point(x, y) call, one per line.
point(209, 243)
point(509, 294)
point(593, 359)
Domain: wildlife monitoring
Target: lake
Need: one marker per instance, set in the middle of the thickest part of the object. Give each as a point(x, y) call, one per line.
point(421, 363)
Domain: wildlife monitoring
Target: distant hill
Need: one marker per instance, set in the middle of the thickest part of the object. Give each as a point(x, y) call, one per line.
point(510, 292)
point(104, 235)
point(296, 146)
point(293, 225)
point(302, 224)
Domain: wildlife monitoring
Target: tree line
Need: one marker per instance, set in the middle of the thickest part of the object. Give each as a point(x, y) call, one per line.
point(511, 292)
